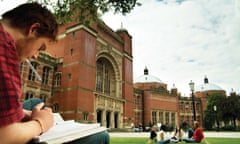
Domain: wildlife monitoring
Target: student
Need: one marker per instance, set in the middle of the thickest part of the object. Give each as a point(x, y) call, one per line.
point(153, 135)
point(24, 31)
point(197, 134)
point(162, 136)
point(178, 134)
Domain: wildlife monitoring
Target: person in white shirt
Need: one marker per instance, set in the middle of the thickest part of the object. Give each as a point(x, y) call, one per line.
point(162, 136)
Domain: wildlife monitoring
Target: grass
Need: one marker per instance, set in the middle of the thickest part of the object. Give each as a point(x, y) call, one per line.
point(144, 141)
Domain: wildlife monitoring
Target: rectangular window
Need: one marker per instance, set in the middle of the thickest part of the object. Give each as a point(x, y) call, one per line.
point(167, 117)
point(71, 51)
point(43, 97)
point(57, 79)
point(85, 116)
point(31, 74)
point(69, 76)
point(173, 117)
point(161, 116)
point(28, 95)
point(45, 75)
point(154, 117)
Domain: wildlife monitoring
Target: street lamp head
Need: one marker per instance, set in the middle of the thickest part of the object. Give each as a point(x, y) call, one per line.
point(191, 84)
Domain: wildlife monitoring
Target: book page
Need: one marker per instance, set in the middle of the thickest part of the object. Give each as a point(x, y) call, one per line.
point(64, 131)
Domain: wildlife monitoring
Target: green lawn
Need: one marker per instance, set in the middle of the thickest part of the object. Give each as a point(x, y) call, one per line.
point(144, 140)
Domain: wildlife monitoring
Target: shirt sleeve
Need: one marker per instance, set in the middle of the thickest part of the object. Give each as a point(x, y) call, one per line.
point(10, 82)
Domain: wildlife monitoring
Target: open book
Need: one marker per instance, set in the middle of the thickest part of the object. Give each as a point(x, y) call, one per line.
point(66, 131)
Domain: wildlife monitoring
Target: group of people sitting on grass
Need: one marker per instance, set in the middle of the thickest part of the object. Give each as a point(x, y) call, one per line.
point(194, 135)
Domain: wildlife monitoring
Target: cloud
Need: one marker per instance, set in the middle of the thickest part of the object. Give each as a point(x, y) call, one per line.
point(185, 39)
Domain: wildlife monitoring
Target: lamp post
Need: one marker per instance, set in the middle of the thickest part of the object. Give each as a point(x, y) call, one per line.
point(215, 109)
point(191, 84)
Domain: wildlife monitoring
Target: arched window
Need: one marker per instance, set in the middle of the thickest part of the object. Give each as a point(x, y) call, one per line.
point(31, 74)
point(29, 95)
point(45, 75)
point(105, 81)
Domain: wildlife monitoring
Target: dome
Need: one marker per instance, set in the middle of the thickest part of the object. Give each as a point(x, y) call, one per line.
point(146, 78)
point(207, 87)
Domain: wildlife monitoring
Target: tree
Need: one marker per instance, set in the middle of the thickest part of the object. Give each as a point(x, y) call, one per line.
point(211, 116)
point(231, 109)
point(86, 11)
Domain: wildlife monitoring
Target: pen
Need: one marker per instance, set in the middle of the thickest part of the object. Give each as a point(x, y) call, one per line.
point(33, 69)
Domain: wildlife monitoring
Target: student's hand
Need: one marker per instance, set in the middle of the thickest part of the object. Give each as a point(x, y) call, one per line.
point(43, 116)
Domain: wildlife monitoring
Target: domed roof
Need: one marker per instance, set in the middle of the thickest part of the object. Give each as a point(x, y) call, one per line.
point(146, 78)
point(207, 87)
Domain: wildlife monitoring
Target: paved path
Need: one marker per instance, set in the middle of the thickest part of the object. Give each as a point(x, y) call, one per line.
point(147, 134)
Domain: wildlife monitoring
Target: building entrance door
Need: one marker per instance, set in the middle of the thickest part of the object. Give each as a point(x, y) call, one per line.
point(99, 116)
point(108, 119)
point(116, 120)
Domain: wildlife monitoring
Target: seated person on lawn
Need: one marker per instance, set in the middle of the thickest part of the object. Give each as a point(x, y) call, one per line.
point(197, 134)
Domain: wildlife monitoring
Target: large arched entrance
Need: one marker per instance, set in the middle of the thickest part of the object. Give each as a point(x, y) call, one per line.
point(108, 92)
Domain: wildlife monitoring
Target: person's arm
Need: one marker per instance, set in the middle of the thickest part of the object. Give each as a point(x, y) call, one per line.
point(23, 132)
point(20, 133)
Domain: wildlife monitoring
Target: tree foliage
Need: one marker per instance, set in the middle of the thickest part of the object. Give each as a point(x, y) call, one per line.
point(228, 110)
point(231, 109)
point(86, 11)
point(214, 99)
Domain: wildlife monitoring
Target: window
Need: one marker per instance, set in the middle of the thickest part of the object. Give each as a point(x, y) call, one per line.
point(99, 77)
point(55, 107)
point(45, 75)
point(138, 101)
point(85, 115)
point(167, 117)
point(181, 106)
point(105, 77)
point(161, 116)
point(57, 79)
point(43, 97)
point(173, 117)
point(69, 76)
point(197, 106)
point(154, 117)
point(138, 117)
point(29, 95)
point(31, 74)
point(71, 51)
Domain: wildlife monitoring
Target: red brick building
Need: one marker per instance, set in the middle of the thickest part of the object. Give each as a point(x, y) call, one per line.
point(155, 103)
point(87, 75)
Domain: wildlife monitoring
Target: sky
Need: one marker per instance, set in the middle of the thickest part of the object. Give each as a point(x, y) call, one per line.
point(181, 40)
point(184, 40)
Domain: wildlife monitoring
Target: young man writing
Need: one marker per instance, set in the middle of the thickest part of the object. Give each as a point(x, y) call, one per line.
point(24, 31)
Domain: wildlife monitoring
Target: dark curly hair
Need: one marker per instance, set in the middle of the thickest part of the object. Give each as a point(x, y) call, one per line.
point(23, 16)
